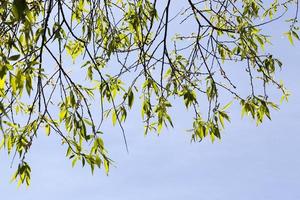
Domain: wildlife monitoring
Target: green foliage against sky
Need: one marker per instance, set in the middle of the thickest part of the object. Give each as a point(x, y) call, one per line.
point(129, 53)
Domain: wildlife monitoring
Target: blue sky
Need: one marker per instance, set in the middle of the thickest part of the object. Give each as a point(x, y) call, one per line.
point(250, 162)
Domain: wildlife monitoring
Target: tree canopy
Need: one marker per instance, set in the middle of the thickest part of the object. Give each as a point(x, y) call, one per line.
point(132, 53)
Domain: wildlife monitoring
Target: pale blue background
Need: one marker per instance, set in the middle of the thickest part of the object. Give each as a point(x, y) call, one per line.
point(250, 162)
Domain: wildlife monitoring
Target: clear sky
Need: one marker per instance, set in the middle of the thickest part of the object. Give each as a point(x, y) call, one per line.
point(250, 162)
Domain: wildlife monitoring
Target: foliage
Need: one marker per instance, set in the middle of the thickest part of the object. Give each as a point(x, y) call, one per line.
point(129, 50)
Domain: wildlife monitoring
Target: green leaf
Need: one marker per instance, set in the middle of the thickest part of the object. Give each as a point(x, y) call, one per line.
point(289, 36)
point(106, 165)
point(221, 120)
point(47, 129)
point(19, 8)
point(14, 57)
point(130, 99)
point(74, 162)
point(62, 114)
point(295, 34)
point(114, 117)
point(28, 84)
point(227, 106)
point(212, 137)
point(74, 49)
